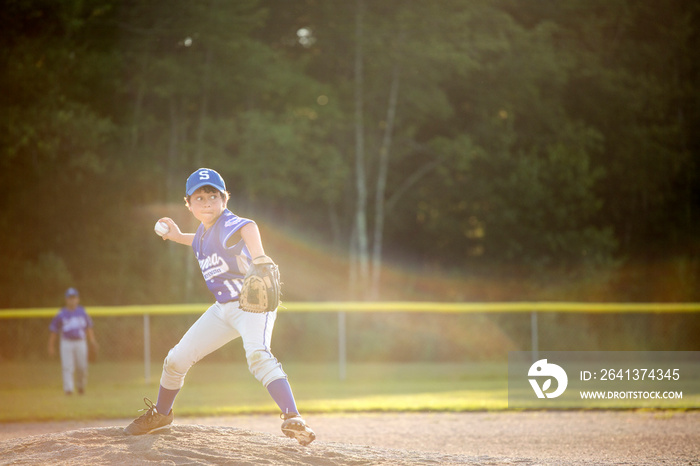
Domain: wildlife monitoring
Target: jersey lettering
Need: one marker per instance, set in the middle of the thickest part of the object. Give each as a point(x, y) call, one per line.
point(71, 324)
point(223, 263)
point(212, 266)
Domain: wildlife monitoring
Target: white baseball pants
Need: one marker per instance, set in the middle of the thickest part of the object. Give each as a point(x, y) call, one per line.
point(74, 362)
point(220, 324)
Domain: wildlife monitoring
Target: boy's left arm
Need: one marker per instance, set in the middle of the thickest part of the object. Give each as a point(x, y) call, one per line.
point(251, 235)
point(262, 278)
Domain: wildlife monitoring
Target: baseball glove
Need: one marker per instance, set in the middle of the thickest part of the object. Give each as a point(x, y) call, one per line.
point(261, 287)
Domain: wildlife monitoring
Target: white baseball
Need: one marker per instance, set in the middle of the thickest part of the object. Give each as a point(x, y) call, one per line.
point(161, 228)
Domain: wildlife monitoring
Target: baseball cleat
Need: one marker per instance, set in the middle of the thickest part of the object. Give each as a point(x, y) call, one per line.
point(149, 422)
point(295, 427)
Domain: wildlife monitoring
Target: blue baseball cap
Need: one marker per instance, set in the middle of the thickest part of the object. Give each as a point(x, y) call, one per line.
point(71, 292)
point(204, 177)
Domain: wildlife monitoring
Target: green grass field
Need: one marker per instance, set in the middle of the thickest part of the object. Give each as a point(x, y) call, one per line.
point(32, 391)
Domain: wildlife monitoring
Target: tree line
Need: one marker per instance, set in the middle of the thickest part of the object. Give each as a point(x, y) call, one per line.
point(555, 138)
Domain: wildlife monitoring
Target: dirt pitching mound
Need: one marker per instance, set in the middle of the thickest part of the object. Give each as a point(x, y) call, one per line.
point(196, 444)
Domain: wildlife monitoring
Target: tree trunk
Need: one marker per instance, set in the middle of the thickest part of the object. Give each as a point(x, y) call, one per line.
point(138, 101)
point(173, 149)
point(176, 258)
point(362, 251)
point(382, 174)
point(203, 109)
point(191, 267)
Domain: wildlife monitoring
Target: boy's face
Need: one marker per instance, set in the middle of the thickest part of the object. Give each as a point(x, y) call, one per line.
point(72, 301)
point(206, 206)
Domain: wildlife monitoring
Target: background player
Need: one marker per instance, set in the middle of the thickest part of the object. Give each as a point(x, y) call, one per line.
point(73, 324)
point(224, 245)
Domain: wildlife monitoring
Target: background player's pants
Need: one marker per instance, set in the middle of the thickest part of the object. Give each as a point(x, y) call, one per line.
point(220, 324)
point(74, 361)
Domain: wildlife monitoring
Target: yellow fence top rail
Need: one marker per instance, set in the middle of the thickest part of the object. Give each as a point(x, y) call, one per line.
point(377, 306)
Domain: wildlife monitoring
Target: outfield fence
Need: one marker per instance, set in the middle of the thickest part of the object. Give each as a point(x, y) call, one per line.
point(342, 310)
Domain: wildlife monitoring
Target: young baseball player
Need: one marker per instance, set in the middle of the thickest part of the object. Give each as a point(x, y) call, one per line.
point(225, 245)
point(74, 325)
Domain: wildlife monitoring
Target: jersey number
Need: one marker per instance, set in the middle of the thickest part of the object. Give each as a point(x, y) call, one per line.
point(230, 287)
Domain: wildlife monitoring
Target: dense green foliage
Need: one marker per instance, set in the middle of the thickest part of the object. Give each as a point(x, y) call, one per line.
point(547, 137)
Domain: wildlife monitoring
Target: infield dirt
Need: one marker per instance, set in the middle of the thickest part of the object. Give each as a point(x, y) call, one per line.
point(522, 438)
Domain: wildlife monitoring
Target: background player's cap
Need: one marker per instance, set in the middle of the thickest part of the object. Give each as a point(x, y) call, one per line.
point(71, 292)
point(204, 177)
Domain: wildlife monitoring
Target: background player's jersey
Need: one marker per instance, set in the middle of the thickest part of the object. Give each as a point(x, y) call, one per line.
point(71, 324)
point(223, 256)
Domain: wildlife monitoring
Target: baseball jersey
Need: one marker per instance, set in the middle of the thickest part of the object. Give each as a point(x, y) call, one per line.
point(223, 256)
point(71, 324)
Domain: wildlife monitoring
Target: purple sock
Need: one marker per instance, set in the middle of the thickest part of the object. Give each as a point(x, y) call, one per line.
point(166, 398)
point(281, 392)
